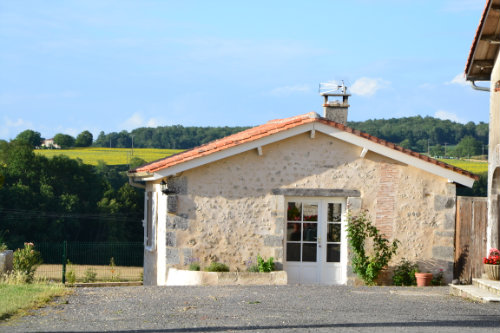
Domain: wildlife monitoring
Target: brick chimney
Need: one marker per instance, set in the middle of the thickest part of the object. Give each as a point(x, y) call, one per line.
point(335, 109)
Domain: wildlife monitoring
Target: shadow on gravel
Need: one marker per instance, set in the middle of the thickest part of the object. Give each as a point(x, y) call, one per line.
point(483, 322)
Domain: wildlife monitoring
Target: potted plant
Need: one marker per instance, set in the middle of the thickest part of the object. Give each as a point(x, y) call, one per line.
point(423, 279)
point(492, 264)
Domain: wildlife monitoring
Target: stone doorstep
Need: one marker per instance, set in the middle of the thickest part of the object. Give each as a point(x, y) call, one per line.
point(487, 284)
point(474, 293)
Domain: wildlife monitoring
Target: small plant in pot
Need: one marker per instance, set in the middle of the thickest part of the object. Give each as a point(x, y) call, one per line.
point(492, 264)
point(423, 279)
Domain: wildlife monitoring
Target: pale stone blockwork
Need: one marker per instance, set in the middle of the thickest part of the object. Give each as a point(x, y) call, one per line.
point(227, 210)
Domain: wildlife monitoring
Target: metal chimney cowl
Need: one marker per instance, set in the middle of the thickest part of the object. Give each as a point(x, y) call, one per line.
point(336, 109)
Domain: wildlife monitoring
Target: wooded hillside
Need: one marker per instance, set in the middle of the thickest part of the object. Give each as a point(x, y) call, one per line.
point(411, 132)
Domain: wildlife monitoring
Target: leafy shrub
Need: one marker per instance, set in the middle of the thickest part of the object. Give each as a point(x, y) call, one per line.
point(438, 279)
point(90, 275)
point(217, 267)
point(115, 274)
point(26, 261)
point(194, 266)
point(404, 273)
point(359, 228)
point(70, 273)
point(265, 266)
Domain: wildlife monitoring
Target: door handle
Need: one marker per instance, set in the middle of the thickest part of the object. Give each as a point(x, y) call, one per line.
point(319, 241)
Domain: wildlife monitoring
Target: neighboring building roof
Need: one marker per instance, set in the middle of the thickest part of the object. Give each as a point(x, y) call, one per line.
point(485, 46)
point(276, 130)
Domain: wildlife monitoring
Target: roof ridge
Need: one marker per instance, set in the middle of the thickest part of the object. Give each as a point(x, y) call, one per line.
point(276, 126)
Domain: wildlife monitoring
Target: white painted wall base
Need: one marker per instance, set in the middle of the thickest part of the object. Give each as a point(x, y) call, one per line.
point(178, 277)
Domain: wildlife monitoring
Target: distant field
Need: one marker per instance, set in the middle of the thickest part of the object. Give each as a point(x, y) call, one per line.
point(111, 156)
point(103, 273)
point(473, 166)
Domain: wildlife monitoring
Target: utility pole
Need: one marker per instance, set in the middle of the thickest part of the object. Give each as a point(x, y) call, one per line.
point(132, 144)
point(428, 150)
point(445, 148)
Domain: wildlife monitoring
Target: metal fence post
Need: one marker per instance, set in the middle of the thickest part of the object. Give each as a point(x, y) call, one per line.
point(64, 262)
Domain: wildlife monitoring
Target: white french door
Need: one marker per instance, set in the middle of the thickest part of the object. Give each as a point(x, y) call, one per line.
point(315, 246)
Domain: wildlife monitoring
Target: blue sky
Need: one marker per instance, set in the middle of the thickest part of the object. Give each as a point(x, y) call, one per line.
point(69, 66)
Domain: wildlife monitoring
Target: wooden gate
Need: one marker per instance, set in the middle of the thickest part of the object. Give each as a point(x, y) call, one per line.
point(470, 238)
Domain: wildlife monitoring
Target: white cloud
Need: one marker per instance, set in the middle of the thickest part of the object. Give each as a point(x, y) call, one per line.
point(446, 115)
point(366, 86)
point(458, 79)
point(289, 90)
point(137, 120)
point(9, 129)
point(153, 122)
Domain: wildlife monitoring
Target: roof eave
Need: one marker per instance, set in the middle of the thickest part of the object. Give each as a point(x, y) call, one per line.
point(466, 180)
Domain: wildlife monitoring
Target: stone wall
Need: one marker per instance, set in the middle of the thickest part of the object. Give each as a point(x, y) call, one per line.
point(6, 260)
point(227, 211)
point(493, 230)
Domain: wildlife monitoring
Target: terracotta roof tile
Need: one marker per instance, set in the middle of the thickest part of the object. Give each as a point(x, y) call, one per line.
point(273, 127)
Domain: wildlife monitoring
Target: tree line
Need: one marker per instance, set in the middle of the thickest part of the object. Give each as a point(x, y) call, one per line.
point(58, 198)
point(167, 137)
point(423, 134)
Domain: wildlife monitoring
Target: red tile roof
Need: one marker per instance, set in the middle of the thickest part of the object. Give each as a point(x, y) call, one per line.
point(273, 127)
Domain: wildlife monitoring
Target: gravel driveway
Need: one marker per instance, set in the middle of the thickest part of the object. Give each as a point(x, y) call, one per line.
point(261, 309)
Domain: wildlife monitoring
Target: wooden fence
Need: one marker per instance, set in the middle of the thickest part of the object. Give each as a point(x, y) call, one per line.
point(470, 238)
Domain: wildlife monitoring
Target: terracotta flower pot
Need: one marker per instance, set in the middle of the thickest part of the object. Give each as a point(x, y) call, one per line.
point(493, 271)
point(423, 279)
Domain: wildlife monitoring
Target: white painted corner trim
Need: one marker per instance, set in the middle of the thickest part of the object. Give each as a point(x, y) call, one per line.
point(354, 139)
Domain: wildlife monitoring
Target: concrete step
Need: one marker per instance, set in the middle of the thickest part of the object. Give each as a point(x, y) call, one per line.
point(474, 293)
point(486, 284)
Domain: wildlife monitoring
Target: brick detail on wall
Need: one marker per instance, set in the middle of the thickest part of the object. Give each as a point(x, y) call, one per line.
point(386, 199)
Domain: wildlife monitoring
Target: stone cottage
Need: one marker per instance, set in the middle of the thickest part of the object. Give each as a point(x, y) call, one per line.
point(282, 190)
point(483, 64)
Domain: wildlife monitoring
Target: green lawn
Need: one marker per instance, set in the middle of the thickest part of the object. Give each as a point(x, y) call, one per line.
point(111, 156)
point(18, 297)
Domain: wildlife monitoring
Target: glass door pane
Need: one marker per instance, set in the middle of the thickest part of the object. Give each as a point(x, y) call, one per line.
point(333, 232)
point(302, 231)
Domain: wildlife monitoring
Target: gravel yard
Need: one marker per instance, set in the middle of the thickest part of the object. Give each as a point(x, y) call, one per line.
point(260, 309)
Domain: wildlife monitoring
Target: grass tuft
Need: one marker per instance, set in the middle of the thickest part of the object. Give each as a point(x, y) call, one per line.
point(19, 298)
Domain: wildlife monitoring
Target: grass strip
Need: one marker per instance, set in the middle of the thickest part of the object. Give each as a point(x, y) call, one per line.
point(16, 298)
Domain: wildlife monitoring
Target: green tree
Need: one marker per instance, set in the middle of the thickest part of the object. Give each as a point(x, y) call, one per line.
point(437, 150)
point(64, 140)
point(405, 144)
point(468, 146)
point(84, 139)
point(136, 162)
point(30, 137)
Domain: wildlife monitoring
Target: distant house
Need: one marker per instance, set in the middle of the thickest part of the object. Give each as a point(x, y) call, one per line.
point(49, 143)
point(483, 64)
point(282, 189)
